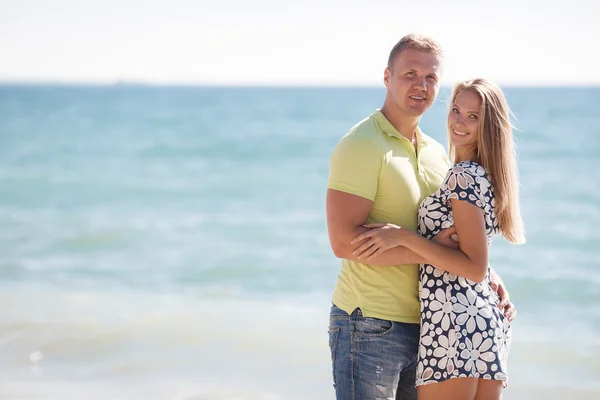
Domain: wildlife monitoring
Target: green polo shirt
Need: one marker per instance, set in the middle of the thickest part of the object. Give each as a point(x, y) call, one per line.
point(376, 162)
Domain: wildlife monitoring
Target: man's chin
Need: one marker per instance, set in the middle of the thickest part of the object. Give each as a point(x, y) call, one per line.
point(418, 111)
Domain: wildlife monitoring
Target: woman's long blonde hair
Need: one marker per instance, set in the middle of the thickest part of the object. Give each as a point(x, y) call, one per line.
point(496, 153)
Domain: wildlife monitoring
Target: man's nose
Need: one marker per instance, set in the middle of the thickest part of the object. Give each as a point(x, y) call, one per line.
point(421, 84)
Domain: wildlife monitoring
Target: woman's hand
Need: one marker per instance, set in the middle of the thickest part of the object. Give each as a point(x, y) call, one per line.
point(447, 237)
point(380, 237)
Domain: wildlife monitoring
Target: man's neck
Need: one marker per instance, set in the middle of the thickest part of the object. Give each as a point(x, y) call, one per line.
point(405, 125)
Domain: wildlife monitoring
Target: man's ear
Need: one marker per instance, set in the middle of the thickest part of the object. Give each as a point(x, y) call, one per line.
point(386, 76)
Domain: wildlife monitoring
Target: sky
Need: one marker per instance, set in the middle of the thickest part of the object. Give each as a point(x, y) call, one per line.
point(307, 42)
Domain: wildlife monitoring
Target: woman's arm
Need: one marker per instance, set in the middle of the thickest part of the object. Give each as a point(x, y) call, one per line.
point(346, 214)
point(389, 235)
point(390, 255)
point(470, 261)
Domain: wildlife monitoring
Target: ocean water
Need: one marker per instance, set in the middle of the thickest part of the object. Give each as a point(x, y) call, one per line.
point(170, 242)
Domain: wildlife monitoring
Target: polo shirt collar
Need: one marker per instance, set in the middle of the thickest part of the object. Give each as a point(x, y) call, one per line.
point(387, 127)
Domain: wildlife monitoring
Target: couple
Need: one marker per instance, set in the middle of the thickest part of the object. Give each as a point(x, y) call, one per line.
point(444, 326)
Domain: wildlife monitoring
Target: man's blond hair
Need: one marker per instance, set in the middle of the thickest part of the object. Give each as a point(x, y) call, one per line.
point(415, 41)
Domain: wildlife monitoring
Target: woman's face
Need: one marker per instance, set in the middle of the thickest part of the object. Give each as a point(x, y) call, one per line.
point(463, 119)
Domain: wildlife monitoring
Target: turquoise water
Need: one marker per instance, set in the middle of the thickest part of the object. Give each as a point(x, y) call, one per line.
point(170, 243)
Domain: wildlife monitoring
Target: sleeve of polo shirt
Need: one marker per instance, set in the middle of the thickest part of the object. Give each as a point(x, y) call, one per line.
point(354, 166)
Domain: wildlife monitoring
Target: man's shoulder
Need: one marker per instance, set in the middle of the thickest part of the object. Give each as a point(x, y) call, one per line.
point(434, 144)
point(435, 152)
point(366, 127)
point(430, 139)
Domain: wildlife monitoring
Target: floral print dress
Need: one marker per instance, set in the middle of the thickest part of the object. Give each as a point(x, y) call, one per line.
point(463, 332)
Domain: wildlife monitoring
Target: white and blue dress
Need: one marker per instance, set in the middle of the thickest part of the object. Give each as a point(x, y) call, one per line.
point(463, 332)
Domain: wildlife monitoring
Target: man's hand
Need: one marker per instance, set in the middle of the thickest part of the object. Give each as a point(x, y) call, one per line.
point(507, 307)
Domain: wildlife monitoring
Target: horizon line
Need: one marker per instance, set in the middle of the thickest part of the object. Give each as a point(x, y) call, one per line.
point(290, 85)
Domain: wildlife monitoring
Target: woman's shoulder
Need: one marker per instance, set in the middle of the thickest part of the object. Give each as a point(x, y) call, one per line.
point(471, 168)
point(469, 176)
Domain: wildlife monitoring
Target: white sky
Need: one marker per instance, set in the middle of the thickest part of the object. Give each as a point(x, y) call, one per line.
point(332, 42)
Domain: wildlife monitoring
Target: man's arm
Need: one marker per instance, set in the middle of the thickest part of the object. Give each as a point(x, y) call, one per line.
point(346, 215)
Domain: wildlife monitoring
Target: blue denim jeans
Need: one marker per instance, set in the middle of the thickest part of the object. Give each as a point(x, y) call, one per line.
point(372, 359)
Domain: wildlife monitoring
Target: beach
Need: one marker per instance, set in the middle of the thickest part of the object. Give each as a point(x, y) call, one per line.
point(170, 242)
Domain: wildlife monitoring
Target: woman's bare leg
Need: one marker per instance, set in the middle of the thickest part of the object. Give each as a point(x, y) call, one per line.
point(489, 390)
point(451, 389)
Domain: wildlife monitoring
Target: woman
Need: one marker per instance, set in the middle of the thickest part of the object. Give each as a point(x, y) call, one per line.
point(464, 336)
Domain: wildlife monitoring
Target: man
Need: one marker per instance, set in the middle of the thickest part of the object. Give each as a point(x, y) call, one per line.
point(380, 172)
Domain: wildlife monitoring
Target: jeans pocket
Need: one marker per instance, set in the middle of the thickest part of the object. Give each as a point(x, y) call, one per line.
point(333, 339)
point(372, 326)
point(335, 311)
point(333, 344)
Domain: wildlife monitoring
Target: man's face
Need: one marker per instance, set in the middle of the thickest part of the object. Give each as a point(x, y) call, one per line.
point(413, 81)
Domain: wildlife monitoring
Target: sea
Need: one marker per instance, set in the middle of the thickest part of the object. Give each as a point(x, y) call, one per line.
point(169, 242)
